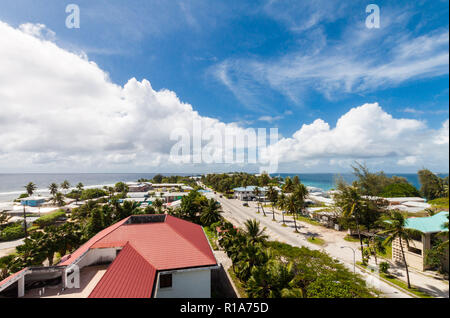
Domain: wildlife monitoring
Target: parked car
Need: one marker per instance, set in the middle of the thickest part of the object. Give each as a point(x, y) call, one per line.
point(245, 204)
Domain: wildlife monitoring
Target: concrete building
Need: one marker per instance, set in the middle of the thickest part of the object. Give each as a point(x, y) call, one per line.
point(138, 187)
point(142, 256)
point(415, 253)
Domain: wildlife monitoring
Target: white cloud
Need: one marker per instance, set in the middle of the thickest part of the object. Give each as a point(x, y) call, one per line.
point(58, 110)
point(38, 30)
point(366, 132)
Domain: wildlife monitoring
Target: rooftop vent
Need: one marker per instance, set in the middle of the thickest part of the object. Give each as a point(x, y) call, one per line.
point(143, 219)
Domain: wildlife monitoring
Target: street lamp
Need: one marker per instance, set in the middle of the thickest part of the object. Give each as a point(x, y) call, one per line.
point(354, 257)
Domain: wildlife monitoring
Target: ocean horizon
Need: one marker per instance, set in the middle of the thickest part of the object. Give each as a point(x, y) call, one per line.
point(13, 184)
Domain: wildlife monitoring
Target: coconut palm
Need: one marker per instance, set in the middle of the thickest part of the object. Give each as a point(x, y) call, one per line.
point(292, 207)
point(396, 230)
point(254, 232)
point(158, 204)
point(210, 213)
point(257, 193)
point(65, 185)
point(300, 192)
point(349, 200)
point(58, 199)
point(80, 186)
point(281, 203)
point(53, 188)
point(30, 188)
point(272, 194)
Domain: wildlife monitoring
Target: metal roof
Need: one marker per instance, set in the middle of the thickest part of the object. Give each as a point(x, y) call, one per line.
point(430, 224)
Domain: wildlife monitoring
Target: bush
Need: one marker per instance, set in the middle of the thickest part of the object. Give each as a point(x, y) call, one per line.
point(384, 267)
point(50, 219)
point(441, 203)
point(12, 232)
point(90, 194)
point(399, 190)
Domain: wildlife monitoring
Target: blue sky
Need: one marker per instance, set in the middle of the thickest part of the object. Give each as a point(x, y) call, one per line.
point(266, 63)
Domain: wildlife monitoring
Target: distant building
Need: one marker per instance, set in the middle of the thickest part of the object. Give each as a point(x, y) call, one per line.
point(415, 252)
point(138, 187)
point(246, 193)
point(142, 256)
point(33, 201)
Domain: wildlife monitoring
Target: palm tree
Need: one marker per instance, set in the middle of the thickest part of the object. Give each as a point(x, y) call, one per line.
point(272, 194)
point(53, 188)
point(292, 206)
point(396, 230)
point(158, 204)
point(30, 188)
point(210, 213)
point(65, 185)
point(281, 202)
point(257, 193)
point(300, 192)
point(352, 205)
point(80, 186)
point(58, 199)
point(254, 233)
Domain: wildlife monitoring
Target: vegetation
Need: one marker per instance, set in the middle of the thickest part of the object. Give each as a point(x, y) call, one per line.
point(375, 184)
point(50, 218)
point(272, 269)
point(399, 190)
point(316, 240)
point(439, 204)
point(12, 232)
point(226, 182)
point(396, 230)
point(432, 186)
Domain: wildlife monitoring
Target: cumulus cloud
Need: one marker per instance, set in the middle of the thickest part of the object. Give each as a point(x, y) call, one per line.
point(38, 30)
point(365, 132)
point(60, 110)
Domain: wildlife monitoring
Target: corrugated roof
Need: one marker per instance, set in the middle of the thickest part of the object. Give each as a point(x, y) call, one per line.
point(430, 224)
point(129, 276)
point(167, 245)
point(86, 246)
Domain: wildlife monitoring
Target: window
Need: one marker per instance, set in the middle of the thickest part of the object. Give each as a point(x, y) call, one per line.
point(165, 280)
point(414, 250)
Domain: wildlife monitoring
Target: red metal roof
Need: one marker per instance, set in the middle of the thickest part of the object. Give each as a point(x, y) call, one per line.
point(86, 246)
point(129, 276)
point(167, 245)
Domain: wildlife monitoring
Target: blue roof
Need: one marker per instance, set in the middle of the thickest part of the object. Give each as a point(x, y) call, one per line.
point(430, 224)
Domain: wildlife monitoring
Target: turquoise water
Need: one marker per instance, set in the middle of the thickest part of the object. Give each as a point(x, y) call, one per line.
point(12, 185)
point(326, 181)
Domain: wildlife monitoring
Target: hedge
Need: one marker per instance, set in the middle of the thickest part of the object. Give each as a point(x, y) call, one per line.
point(50, 219)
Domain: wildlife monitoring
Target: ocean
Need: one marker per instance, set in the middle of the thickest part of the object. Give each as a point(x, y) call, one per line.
point(12, 185)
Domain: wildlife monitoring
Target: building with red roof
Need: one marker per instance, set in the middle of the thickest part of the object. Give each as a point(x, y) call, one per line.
point(142, 256)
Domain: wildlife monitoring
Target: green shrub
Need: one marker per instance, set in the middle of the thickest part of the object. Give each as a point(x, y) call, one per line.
point(50, 219)
point(90, 194)
point(12, 232)
point(384, 267)
point(397, 190)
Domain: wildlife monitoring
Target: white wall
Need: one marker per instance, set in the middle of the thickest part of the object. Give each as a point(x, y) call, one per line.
point(187, 284)
point(97, 255)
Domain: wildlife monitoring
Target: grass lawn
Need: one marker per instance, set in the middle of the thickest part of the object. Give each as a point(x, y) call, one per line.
point(387, 254)
point(237, 283)
point(416, 291)
point(350, 238)
point(308, 220)
point(316, 240)
point(394, 280)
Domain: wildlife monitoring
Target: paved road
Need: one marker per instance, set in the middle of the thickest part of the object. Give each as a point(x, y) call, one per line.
point(236, 213)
